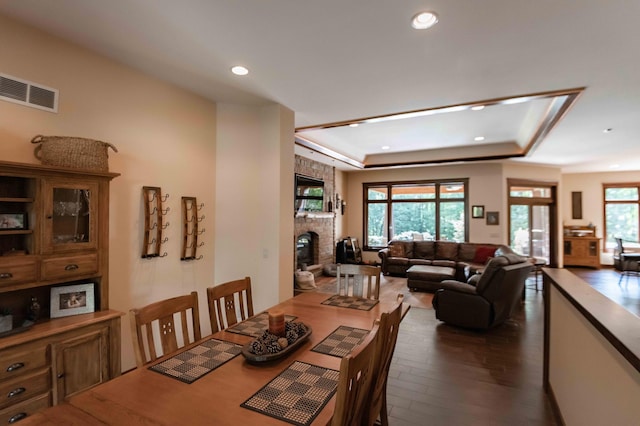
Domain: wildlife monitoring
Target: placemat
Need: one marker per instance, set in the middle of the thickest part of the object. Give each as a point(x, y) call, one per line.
point(351, 302)
point(297, 394)
point(255, 325)
point(341, 342)
point(190, 365)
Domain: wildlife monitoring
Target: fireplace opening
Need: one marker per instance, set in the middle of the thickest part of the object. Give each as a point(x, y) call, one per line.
point(306, 250)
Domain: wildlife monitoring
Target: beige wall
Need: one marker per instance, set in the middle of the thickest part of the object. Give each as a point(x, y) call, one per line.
point(590, 184)
point(166, 137)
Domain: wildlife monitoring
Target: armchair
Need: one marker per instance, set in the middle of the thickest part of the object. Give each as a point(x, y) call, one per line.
point(625, 262)
point(491, 301)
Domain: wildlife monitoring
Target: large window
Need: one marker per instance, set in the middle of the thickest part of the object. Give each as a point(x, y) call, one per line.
point(621, 219)
point(425, 210)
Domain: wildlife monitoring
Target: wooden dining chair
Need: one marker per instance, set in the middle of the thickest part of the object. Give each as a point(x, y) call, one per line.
point(364, 280)
point(160, 316)
point(229, 303)
point(388, 326)
point(354, 383)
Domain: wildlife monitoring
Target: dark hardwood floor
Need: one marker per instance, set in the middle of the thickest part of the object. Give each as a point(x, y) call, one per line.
point(443, 375)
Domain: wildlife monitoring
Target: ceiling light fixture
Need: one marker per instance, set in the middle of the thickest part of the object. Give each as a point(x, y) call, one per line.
point(608, 130)
point(354, 125)
point(477, 108)
point(386, 147)
point(478, 138)
point(424, 20)
point(239, 70)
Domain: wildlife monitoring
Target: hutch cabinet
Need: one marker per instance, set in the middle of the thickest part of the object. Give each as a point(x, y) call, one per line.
point(54, 231)
point(581, 246)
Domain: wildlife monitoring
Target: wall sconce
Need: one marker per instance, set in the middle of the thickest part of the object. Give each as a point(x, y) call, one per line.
point(343, 206)
point(337, 200)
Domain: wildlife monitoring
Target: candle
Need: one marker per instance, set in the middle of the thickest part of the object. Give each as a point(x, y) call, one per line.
point(276, 323)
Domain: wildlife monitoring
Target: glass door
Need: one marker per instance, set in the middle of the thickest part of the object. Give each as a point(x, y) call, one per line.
point(70, 216)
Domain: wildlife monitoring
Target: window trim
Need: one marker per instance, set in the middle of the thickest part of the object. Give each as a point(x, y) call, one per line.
point(389, 202)
point(606, 186)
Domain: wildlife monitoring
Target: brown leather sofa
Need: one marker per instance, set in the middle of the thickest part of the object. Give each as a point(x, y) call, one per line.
point(488, 303)
point(465, 258)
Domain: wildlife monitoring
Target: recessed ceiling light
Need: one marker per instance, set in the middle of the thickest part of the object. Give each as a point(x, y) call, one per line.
point(385, 147)
point(614, 166)
point(478, 138)
point(353, 125)
point(239, 70)
point(424, 20)
point(477, 107)
point(608, 130)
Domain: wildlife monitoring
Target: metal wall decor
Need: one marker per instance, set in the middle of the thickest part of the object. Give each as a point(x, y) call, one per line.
point(191, 219)
point(154, 223)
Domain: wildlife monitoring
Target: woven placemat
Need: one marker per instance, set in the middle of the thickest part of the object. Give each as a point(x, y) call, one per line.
point(255, 325)
point(341, 342)
point(351, 302)
point(297, 394)
point(191, 365)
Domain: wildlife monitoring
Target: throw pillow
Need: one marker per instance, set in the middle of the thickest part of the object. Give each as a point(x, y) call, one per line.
point(483, 253)
point(396, 250)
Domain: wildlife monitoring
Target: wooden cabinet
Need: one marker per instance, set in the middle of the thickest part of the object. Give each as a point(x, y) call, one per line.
point(54, 230)
point(581, 247)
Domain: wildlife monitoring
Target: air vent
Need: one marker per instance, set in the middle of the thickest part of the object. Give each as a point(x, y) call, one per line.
point(27, 93)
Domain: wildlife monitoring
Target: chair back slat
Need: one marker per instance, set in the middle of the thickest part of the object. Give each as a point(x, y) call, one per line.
point(363, 280)
point(388, 326)
point(224, 310)
point(160, 316)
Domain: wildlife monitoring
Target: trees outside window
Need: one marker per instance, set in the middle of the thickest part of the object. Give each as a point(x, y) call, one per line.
point(621, 207)
point(424, 210)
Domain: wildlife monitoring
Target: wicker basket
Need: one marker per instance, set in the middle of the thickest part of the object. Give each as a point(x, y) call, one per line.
point(72, 152)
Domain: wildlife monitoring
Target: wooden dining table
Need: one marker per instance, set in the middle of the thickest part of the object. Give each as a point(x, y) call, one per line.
point(145, 397)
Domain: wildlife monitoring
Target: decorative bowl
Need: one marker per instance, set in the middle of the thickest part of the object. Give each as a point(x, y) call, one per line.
point(258, 359)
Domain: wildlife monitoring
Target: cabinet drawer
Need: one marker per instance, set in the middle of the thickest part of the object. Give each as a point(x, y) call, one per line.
point(24, 387)
point(18, 269)
point(20, 360)
point(17, 412)
point(69, 266)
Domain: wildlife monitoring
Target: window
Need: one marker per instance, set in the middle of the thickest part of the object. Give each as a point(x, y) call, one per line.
point(425, 210)
point(621, 219)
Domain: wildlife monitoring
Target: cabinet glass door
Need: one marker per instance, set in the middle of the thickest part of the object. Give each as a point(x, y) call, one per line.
point(71, 216)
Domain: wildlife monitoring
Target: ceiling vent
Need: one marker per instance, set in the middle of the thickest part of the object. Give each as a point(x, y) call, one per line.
point(27, 93)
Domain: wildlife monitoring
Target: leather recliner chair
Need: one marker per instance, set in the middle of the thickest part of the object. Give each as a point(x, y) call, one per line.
point(488, 303)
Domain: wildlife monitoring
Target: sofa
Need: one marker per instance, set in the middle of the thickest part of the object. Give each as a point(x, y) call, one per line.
point(465, 258)
point(488, 299)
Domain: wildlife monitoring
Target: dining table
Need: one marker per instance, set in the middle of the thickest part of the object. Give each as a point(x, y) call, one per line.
point(143, 396)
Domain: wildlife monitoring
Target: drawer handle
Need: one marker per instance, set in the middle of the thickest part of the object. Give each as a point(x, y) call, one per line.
point(6, 275)
point(15, 392)
point(17, 417)
point(14, 367)
point(71, 267)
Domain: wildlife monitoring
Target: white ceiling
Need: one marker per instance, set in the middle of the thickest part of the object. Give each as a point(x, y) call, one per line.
point(337, 61)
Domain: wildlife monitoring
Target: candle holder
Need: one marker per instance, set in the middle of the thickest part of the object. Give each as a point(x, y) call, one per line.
point(276, 323)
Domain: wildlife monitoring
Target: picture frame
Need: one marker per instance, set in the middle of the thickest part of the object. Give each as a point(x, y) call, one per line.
point(477, 212)
point(13, 221)
point(493, 218)
point(72, 300)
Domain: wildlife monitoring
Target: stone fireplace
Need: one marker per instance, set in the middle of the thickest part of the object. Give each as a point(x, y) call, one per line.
point(314, 232)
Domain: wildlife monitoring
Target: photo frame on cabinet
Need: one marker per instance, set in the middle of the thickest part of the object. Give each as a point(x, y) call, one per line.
point(477, 212)
point(13, 221)
point(72, 300)
point(493, 218)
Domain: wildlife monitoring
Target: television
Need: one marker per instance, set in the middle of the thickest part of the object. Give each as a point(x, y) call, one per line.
point(309, 194)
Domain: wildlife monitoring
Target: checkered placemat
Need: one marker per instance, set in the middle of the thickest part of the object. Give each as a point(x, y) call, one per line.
point(341, 342)
point(190, 365)
point(255, 325)
point(350, 302)
point(297, 394)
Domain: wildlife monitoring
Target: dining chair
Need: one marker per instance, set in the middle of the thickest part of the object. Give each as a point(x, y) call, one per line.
point(159, 319)
point(364, 280)
point(354, 383)
point(627, 262)
point(229, 303)
point(388, 326)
